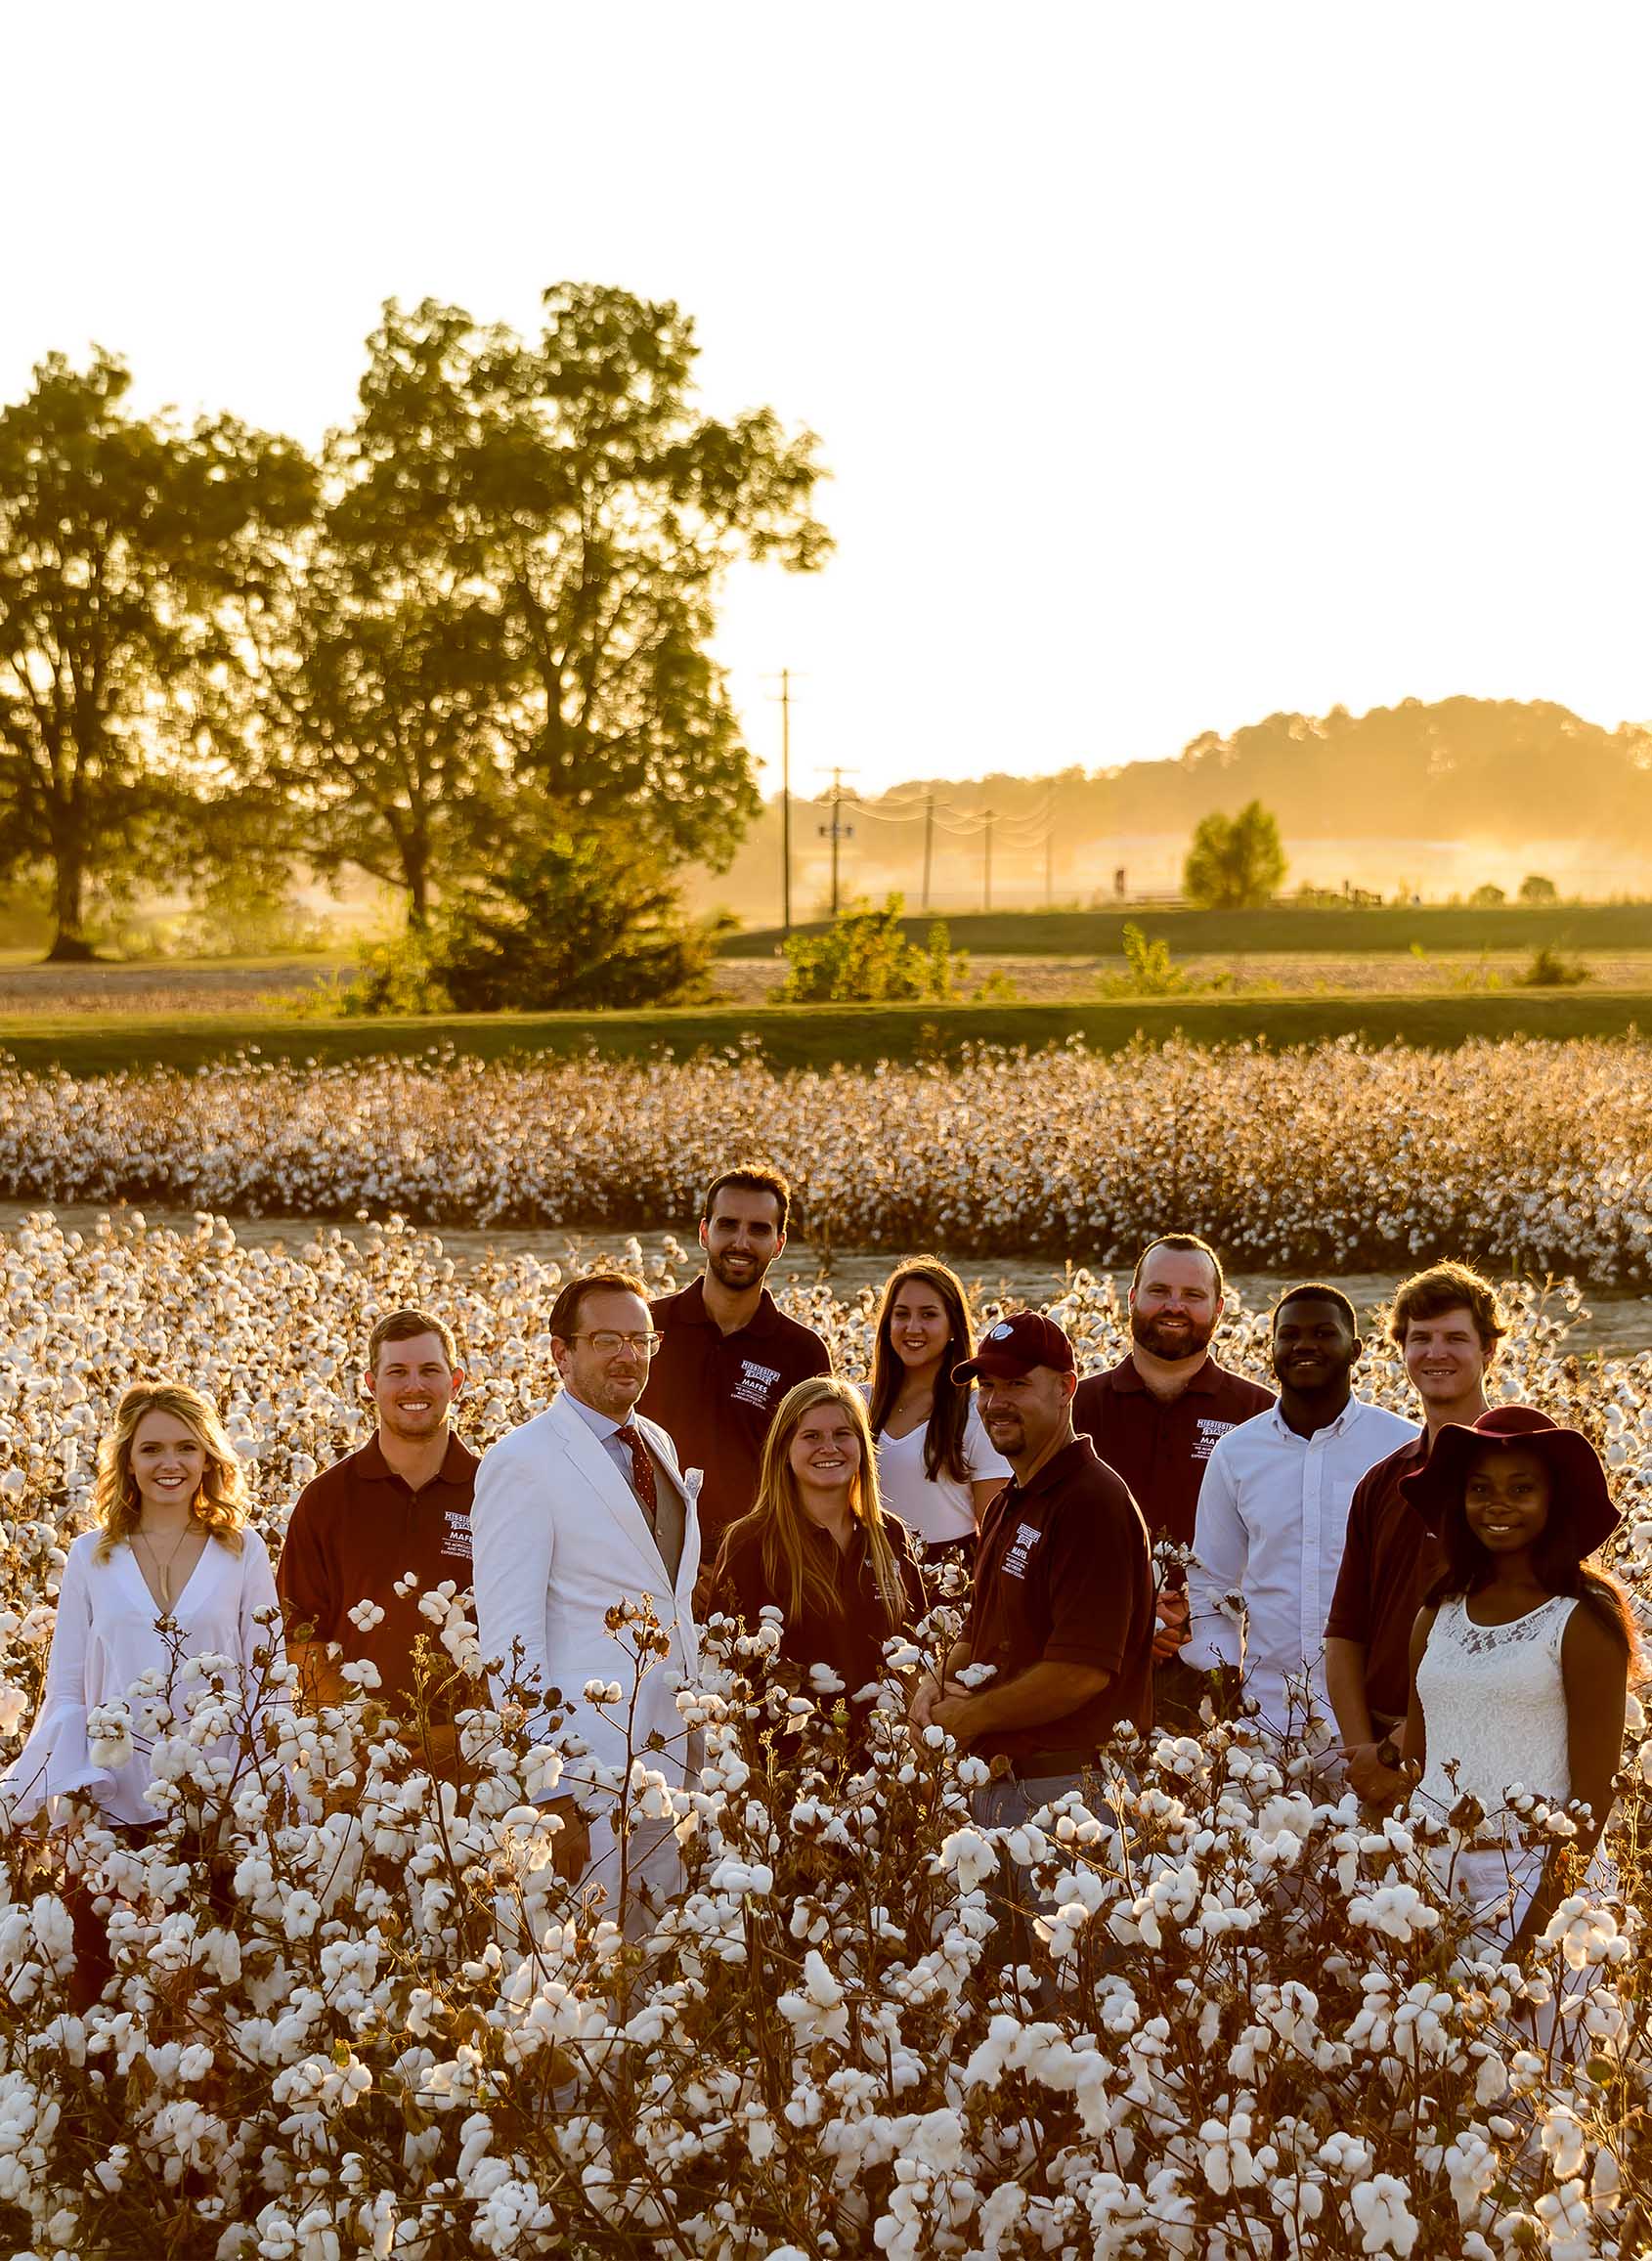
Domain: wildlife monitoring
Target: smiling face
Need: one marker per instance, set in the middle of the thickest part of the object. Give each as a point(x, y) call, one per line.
point(1025, 1413)
point(742, 1237)
point(1314, 1347)
point(824, 1453)
point(169, 1462)
point(1445, 1356)
point(1174, 1306)
point(413, 1386)
point(1506, 1499)
point(920, 1325)
point(605, 1364)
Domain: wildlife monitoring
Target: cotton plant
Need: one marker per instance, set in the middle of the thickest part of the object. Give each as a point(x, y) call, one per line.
point(1525, 1153)
point(1248, 2019)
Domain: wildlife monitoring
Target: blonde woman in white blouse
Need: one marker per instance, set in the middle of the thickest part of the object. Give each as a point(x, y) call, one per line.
point(936, 1468)
point(170, 1543)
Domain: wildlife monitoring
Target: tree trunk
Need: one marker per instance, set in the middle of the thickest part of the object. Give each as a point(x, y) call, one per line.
point(416, 865)
point(70, 947)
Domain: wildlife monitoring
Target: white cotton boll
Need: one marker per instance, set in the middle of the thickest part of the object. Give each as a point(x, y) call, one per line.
point(14, 1708)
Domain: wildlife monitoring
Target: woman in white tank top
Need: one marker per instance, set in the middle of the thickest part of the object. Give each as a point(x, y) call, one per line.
point(1520, 1658)
point(936, 1467)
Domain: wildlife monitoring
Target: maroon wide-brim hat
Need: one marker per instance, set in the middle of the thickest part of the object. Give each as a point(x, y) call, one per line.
point(1573, 1465)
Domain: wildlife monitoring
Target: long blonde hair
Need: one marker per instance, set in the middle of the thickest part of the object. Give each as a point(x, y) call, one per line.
point(220, 1503)
point(791, 1564)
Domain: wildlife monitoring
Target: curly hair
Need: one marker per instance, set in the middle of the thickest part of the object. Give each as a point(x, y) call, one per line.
point(221, 1503)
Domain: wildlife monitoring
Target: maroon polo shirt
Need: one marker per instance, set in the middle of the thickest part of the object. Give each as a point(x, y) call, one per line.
point(1389, 1559)
point(1065, 1574)
point(1160, 1444)
point(848, 1640)
point(356, 1528)
point(714, 1395)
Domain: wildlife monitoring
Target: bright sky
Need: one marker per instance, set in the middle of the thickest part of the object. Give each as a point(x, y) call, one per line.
point(1175, 364)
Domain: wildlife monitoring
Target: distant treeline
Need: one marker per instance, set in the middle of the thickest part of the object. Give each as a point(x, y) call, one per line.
point(1482, 770)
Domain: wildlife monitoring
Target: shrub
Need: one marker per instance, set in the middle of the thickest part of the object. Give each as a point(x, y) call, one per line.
point(1486, 898)
point(582, 920)
point(1551, 969)
point(864, 958)
point(1235, 864)
point(1535, 888)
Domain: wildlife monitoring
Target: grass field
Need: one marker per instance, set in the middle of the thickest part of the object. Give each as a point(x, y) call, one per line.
point(820, 1036)
point(1583, 927)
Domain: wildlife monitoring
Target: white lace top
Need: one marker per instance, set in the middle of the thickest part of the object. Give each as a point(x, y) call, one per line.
point(1494, 1703)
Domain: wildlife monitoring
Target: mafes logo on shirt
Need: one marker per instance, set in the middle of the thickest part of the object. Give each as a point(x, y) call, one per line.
point(1028, 1536)
point(455, 1534)
point(755, 1385)
point(1206, 1434)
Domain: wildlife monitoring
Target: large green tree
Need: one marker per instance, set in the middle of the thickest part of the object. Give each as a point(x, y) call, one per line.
point(142, 564)
point(510, 614)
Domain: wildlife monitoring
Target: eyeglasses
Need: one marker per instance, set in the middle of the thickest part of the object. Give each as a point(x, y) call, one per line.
point(607, 1342)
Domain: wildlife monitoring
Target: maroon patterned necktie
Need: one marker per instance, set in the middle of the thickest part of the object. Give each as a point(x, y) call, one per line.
point(641, 1470)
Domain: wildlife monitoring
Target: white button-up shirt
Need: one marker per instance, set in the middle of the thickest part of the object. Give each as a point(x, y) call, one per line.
point(1273, 1515)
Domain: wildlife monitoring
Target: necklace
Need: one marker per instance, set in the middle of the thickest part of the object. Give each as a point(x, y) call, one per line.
point(163, 1568)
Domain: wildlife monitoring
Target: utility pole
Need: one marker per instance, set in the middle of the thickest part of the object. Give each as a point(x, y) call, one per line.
point(786, 801)
point(928, 844)
point(837, 830)
point(785, 705)
point(986, 866)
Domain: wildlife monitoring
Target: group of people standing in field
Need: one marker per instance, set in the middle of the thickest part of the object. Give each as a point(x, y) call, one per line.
point(1428, 1585)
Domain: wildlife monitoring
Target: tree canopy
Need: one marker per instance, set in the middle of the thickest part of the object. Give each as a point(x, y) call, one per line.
point(508, 621)
point(141, 565)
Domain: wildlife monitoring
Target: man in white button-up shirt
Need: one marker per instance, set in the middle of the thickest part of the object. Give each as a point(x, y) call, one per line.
point(1272, 1508)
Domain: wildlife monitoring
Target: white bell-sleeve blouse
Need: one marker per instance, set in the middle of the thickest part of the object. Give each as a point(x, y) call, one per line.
point(106, 1639)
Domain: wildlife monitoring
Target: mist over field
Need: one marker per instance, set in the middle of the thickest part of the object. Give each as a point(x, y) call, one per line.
point(1436, 800)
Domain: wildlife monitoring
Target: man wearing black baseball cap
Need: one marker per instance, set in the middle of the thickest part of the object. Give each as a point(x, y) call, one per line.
point(1063, 1601)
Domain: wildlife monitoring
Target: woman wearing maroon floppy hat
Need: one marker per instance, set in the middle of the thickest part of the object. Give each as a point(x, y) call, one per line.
point(1522, 1652)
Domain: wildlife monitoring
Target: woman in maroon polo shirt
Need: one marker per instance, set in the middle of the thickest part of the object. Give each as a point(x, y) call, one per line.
point(818, 1546)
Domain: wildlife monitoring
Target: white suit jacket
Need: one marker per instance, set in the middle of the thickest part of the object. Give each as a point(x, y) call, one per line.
point(558, 1539)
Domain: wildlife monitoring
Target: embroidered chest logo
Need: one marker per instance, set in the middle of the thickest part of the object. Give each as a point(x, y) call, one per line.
point(754, 1385)
point(1026, 1537)
point(455, 1533)
point(1205, 1434)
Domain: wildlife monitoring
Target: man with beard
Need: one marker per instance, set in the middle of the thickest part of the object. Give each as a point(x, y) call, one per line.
point(1272, 1510)
point(396, 1514)
point(1062, 1603)
point(1156, 1417)
point(1447, 1326)
point(728, 1354)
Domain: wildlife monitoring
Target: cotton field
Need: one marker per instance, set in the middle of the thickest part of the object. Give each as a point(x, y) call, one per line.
point(378, 2025)
point(1524, 1154)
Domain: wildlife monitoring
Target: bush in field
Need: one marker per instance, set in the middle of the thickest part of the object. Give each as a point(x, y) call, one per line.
point(580, 921)
point(1486, 898)
point(864, 958)
point(1535, 888)
point(1235, 863)
point(1551, 969)
point(1251, 2024)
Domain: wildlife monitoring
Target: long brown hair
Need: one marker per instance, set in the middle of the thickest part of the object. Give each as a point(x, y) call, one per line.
point(790, 1563)
point(1556, 1564)
point(220, 1503)
point(943, 1440)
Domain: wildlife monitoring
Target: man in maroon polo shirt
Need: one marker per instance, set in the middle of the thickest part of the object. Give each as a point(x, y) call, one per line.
point(728, 1354)
point(1155, 1417)
point(1063, 1608)
point(1447, 1325)
point(399, 1507)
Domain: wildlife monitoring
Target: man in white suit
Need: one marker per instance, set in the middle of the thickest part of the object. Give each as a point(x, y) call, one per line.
point(582, 1507)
